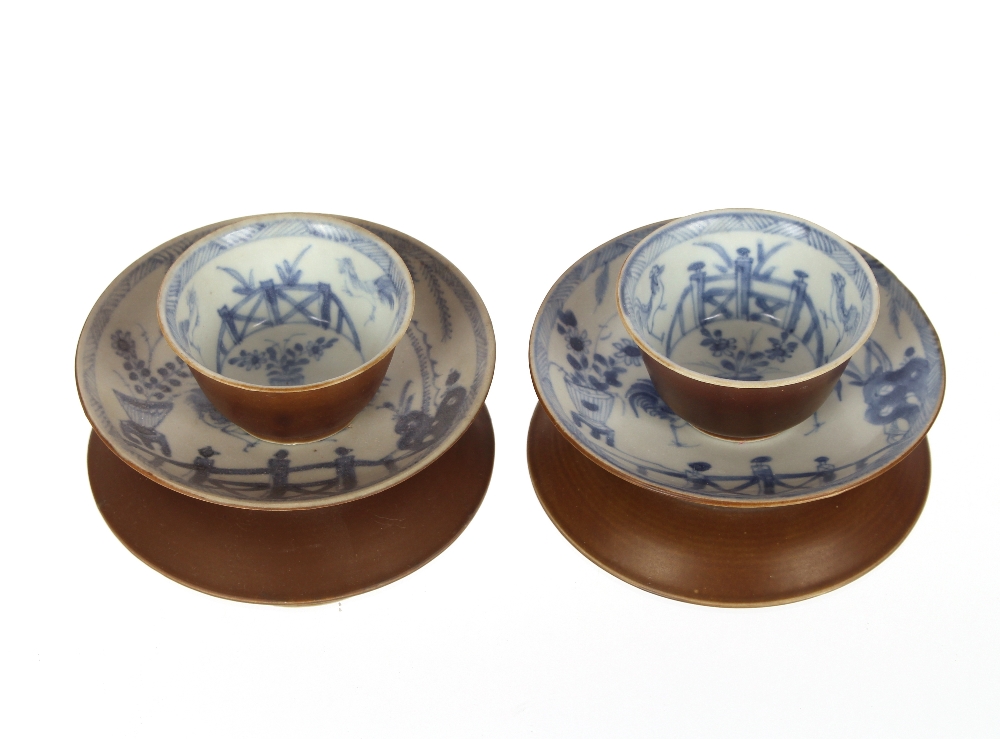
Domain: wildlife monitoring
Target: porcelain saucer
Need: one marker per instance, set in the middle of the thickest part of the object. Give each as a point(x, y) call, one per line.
point(296, 557)
point(146, 407)
point(723, 556)
point(590, 378)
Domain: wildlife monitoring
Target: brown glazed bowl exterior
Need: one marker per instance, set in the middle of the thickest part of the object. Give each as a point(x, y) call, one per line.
point(294, 416)
point(741, 412)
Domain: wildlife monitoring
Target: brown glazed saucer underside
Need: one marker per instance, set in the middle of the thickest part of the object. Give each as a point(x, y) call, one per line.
point(302, 556)
point(723, 556)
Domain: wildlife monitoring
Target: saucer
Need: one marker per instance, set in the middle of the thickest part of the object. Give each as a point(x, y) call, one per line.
point(145, 405)
point(720, 556)
point(590, 378)
point(296, 557)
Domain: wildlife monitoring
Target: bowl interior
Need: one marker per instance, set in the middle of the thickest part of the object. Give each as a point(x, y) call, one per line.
point(747, 296)
point(293, 301)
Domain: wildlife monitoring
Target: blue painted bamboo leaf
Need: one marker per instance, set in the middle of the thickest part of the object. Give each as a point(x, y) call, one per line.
point(601, 285)
point(894, 317)
point(245, 287)
point(718, 249)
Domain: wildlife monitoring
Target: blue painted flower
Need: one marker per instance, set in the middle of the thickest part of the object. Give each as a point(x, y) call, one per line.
point(124, 344)
point(315, 349)
point(577, 341)
point(567, 318)
point(628, 352)
point(780, 349)
point(611, 376)
point(248, 360)
point(717, 343)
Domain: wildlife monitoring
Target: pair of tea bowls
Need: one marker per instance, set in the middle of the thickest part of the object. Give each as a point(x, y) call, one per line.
point(288, 322)
point(746, 319)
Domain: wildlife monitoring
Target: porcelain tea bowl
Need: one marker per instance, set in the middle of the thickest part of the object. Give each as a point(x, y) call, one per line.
point(746, 319)
point(288, 322)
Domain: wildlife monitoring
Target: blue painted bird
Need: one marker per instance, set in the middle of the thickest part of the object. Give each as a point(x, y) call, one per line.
point(379, 290)
point(647, 312)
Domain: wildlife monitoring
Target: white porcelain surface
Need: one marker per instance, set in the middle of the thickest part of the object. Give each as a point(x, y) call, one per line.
point(589, 375)
point(747, 296)
point(150, 411)
point(287, 299)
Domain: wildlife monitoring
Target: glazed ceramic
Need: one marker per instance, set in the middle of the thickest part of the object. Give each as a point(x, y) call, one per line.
point(287, 322)
point(169, 431)
point(590, 378)
point(723, 556)
point(296, 557)
point(746, 319)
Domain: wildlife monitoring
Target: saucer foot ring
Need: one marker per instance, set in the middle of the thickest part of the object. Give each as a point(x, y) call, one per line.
point(296, 557)
point(723, 556)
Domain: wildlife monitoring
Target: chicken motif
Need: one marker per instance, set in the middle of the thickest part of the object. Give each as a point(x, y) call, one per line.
point(848, 318)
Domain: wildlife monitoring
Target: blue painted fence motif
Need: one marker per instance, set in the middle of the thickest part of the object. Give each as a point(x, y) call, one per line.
point(268, 304)
point(601, 369)
point(418, 407)
point(745, 288)
point(417, 427)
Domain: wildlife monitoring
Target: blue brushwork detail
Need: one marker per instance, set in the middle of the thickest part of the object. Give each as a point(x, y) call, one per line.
point(892, 395)
point(899, 397)
point(641, 395)
point(747, 293)
point(440, 302)
point(601, 285)
point(394, 283)
point(743, 285)
point(284, 362)
point(417, 430)
point(208, 415)
point(590, 377)
point(379, 290)
point(149, 391)
point(150, 388)
point(269, 304)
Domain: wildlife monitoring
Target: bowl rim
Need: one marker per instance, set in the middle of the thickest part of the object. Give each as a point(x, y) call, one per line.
point(231, 226)
point(796, 379)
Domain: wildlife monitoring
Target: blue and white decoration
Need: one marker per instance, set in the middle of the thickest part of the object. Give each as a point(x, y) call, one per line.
point(286, 300)
point(147, 407)
point(589, 375)
point(747, 295)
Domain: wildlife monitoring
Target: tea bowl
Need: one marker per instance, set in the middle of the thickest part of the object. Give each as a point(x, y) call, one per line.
point(287, 321)
point(746, 318)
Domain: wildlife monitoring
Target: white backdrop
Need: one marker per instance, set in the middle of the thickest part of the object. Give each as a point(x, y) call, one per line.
point(512, 138)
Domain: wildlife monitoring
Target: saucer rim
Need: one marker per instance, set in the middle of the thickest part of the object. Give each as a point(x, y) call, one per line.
point(687, 495)
point(188, 359)
point(796, 379)
point(457, 431)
